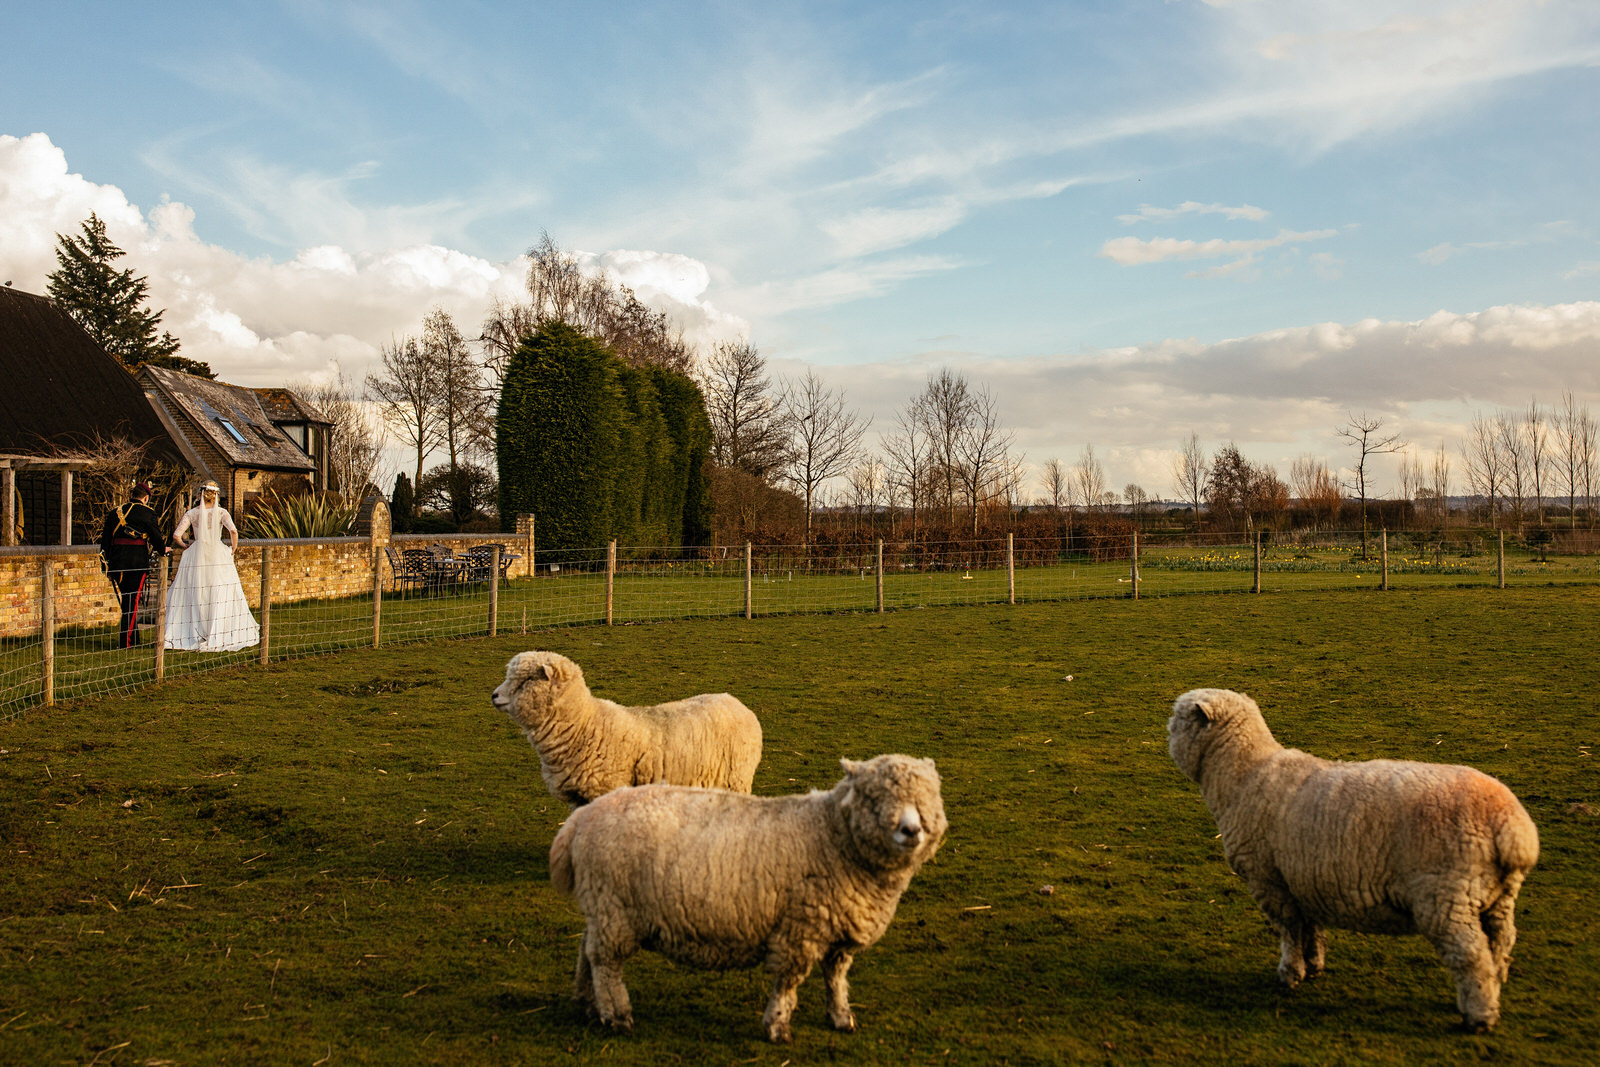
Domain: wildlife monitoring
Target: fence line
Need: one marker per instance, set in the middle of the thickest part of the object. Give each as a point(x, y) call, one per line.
point(347, 593)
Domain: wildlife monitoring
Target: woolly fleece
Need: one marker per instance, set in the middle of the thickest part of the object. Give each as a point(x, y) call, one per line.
point(589, 746)
point(721, 880)
point(1382, 846)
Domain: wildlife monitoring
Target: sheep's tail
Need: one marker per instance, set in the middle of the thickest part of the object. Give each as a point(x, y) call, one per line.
point(1516, 842)
point(561, 859)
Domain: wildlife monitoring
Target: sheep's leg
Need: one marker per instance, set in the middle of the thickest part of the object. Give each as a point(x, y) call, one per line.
point(1456, 931)
point(788, 971)
point(605, 957)
point(1313, 948)
point(583, 981)
point(835, 972)
point(1295, 933)
point(1500, 927)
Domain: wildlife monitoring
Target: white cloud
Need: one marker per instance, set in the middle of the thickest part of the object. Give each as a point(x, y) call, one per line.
point(881, 229)
point(1133, 251)
point(1150, 213)
point(259, 321)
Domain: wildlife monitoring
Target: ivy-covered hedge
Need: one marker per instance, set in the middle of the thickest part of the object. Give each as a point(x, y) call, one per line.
point(598, 450)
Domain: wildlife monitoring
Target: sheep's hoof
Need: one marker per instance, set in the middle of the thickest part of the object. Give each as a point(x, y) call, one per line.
point(845, 1022)
point(778, 1034)
point(1476, 1026)
point(622, 1023)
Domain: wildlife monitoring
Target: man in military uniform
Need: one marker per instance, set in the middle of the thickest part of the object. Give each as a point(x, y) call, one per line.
point(131, 534)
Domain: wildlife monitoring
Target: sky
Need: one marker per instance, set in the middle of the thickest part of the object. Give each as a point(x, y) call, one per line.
point(1130, 221)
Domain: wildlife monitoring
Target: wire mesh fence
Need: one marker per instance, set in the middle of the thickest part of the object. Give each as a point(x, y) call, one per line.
point(63, 628)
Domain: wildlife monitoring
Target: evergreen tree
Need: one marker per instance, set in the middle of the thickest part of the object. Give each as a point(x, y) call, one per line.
point(401, 503)
point(557, 437)
point(109, 303)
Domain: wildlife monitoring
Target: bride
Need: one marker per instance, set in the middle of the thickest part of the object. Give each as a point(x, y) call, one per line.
point(206, 608)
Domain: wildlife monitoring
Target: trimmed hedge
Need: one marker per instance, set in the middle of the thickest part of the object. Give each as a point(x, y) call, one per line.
point(599, 450)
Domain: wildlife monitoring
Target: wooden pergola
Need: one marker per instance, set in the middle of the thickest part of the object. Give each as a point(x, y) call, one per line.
point(9, 466)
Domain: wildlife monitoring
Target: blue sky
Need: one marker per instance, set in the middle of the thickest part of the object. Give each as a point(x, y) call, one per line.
point(1128, 220)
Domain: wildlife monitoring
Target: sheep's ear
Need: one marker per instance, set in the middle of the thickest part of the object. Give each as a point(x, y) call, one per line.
point(1201, 710)
point(851, 767)
point(541, 671)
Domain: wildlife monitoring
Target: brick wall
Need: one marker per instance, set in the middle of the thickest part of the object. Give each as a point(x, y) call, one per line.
point(301, 570)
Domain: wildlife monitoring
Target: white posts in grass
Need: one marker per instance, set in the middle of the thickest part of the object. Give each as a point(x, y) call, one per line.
point(161, 617)
point(47, 629)
point(1255, 586)
point(494, 590)
point(611, 580)
point(1133, 565)
point(377, 597)
point(266, 602)
point(1500, 561)
point(880, 576)
point(748, 569)
point(1011, 565)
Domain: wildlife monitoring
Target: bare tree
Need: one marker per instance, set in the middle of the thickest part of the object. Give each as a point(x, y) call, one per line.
point(1439, 483)
point(1514, 450)
point(1089, 477)
point(1536, 429)
point(947, 408)
point(1189, 474)
point(1316, 488)
point(405, 393)
point(824, 437)
point(1485, 463)
point(867, 484)
point(1365, 434)
point(746, 431)
point(1573, 459)
point(909, 451)
point(1412, 477)
point(1056, 482)
point(981, 452)
point(355, 441)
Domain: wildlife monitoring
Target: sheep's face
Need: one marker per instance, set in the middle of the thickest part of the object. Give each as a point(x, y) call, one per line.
point(893, 809)
point(534, 682)
point(1198, 718)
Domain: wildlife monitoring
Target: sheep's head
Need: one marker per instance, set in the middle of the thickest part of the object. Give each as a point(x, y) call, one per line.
point(534, 681)
point(893, 810)
point(1199, 718)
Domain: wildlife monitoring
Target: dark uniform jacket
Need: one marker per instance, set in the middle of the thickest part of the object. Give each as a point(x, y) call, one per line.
point(131, 535)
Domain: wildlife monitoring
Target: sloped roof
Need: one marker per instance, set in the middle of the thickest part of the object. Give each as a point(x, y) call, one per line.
point(285, 405)
point(231, 417)
point(61, 389)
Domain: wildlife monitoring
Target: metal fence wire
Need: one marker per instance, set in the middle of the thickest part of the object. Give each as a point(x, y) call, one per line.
point(61, 637)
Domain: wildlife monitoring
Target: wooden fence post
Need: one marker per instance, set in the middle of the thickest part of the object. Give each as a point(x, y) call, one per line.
point(1500, 560)
point(1011, 568)
point(1133, 566)
point(1384, 552)
point(1255, 585)
point(161, 617)
point(880, 576)
point(266, 603)
point(748, 568)
point(611, 580)
point(494, 591)
point(47, 629)
point(377, 598)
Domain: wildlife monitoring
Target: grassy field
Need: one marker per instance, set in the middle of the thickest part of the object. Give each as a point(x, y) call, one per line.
point(88, 662)
point(344, 859)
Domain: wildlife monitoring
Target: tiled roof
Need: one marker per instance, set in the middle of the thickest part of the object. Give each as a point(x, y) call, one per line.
point(284, 405)
point(232, 418)
point(61, 389)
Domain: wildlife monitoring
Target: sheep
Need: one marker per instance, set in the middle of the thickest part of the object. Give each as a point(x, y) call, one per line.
point(723, 881)
point(1381, 846)
point(589, 746)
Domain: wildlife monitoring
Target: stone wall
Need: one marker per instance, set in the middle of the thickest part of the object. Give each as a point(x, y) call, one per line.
point(302, 569)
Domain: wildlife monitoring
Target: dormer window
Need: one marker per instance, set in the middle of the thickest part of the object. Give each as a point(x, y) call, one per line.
point(232, 431)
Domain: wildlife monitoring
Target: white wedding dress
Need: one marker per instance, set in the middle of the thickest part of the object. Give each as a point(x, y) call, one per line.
point(206, 608)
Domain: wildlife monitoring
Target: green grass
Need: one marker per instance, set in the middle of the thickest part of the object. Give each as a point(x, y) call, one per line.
point(88, 662)
point(345, 858)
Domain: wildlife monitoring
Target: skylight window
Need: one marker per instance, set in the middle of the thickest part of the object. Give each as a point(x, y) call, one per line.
point(232, 431)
